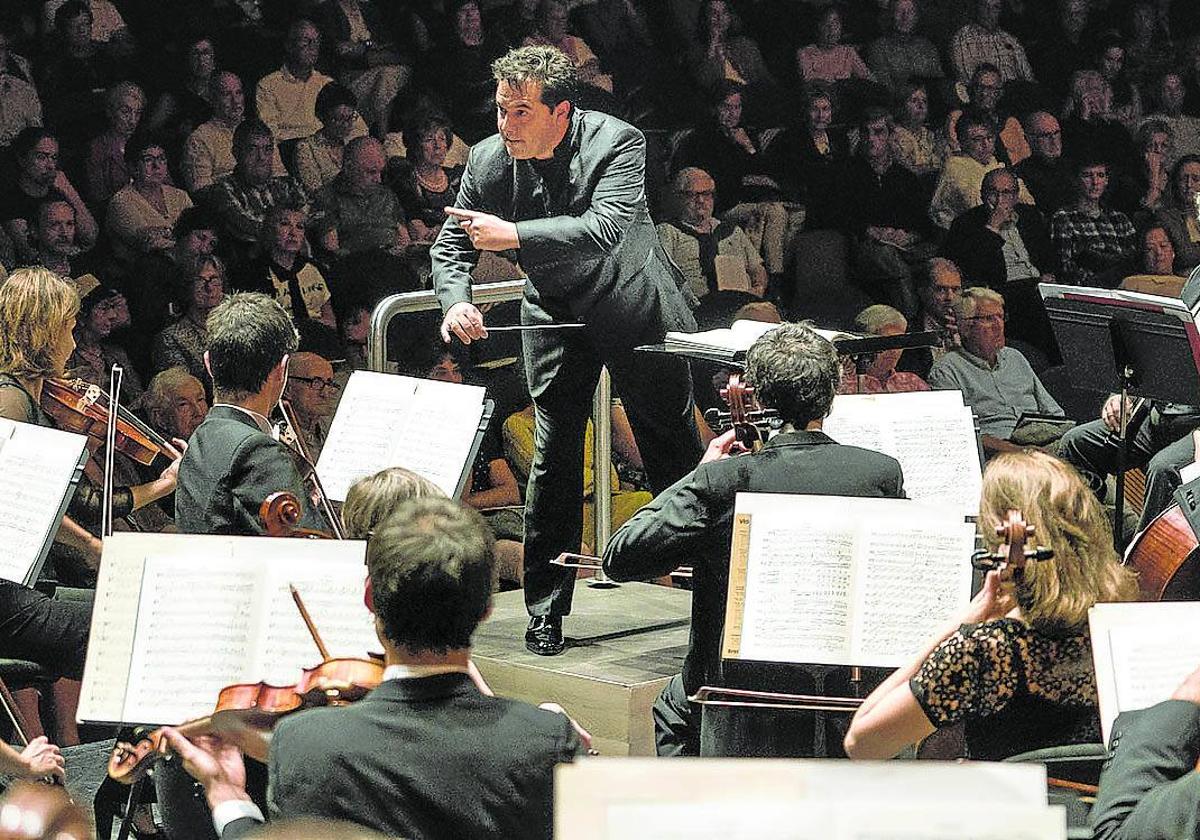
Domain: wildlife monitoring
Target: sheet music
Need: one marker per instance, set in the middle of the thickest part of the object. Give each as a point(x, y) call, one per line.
point(910, 580)
point(173, 677)
point(36, 467)
point(931, 434)
point(848, 581)
point(973, 822)
point(178, 617)
point(1141, 653)
point(385, 420)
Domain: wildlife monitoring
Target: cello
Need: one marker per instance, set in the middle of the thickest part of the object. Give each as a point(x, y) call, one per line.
point(1165, 552)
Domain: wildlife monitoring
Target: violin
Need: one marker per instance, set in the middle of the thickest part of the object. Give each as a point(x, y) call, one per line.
point(253, 709)
point(752, 423)
point(1010, 559)
point(80, 407)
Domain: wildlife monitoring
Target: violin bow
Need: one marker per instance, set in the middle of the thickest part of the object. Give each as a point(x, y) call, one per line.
point(308, 622)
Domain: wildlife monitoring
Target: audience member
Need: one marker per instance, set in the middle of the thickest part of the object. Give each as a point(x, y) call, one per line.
point(187, 102)
point(720, 53)
point(459, 70)
point(984, 93)
point(208, 152)
point(1178, 213)
point(355, 208)
point(1006, 246)
point(1015, 668)
point(886, 216)
point(318, 157)
point(281, 270)
point(199, 287)
point(141, 214)
point(1154, 273)
point(1171, 92)
point(74, 74)
point(1147, 187)
point(983, 41)
point(939, 287)
point(312, 393)
point(996, 381)
point(878, 374)
point(105, 166)
point(1089, 129)
point(423, 183)
point(367, 58)
point(286, 100)
point(56, 245)
point(21, 108)
point(903, 55)
point(808, 159)
point(107, 25)
point(1110, 61)
point(829, 60)
point(957, 190)
point(917, 146)
point(1065, 45)
point(174, 403)
point(37, 177)
point(1162, 444)
point(1046, 172)
point(551, 31)
point(103, 311)
point(714, 256)
point(1094, 242)
point(241, 199)
point(1148, 50)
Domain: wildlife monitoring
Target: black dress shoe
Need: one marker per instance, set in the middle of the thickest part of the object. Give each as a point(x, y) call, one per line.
point(544, 636)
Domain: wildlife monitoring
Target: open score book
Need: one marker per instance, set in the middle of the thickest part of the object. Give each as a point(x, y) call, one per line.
point(179, 617)
point(833, 580)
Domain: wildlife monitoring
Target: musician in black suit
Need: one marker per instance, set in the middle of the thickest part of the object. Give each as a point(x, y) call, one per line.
point(1150, 788)
point(796, 372)
point(425, 756)
point(233, 462)
point(566, 189)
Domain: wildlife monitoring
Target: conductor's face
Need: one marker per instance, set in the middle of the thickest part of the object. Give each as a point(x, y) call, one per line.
point(529, 127)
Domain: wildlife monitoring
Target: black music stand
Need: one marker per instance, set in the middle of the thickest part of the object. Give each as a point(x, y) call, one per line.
point(1114, 342)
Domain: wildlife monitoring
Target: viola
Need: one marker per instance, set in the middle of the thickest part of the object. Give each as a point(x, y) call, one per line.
point(80, 407)
point(750, 421)
point(1012, 556)
point(281, 513)
point(246, 712)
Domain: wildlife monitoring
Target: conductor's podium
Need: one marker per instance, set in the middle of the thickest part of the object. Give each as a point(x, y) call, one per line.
point(624, 642)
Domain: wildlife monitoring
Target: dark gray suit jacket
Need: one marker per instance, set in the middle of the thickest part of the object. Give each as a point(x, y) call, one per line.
point(588, 244)
point(692, 523)
point(230, 467)
point(424, 759)
point(1150, 788)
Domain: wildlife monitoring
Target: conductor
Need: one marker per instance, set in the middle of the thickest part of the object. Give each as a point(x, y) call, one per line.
point(564, 189)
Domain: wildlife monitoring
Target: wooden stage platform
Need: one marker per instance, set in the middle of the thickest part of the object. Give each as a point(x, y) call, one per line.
point(624, 643)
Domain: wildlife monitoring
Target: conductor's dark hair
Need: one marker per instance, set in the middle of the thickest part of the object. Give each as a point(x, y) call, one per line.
point(248, 334)
point(547, 66)
point(795, 371)
point(431, 564)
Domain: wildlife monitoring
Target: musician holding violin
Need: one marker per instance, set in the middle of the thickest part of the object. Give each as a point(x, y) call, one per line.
point(234, 460)
point(426, 754)
point(795, 372)
point(1016, 667)
point(37, 313)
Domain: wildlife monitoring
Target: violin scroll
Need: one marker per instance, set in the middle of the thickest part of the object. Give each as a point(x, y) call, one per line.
point(751, 422)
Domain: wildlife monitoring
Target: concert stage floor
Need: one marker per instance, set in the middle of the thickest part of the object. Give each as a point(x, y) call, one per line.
point(625, 642)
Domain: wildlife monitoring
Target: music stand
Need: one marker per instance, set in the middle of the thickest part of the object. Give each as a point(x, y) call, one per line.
point(1126, 343)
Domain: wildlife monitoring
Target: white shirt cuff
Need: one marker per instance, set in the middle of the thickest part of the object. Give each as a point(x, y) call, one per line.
point(234, 809)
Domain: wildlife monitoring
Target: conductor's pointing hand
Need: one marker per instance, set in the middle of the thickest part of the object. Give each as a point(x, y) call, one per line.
point(464, 321)
point(487, 232)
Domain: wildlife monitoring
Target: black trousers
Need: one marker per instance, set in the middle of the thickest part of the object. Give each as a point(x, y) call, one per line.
point(563, 368)
point(39, 629)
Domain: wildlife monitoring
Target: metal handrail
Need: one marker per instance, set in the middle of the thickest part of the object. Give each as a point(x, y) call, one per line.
point(426, 300)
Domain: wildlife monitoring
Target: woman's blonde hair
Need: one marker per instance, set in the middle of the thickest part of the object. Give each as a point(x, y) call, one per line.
point(36, 305)
point(369, 500)
point(1055, 594)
